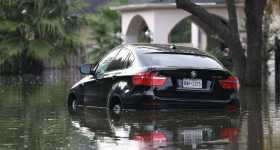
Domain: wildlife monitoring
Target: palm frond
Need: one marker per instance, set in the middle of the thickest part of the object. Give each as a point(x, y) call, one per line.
point(50, 27)
point(8, 25)
point(10, 47)
point(40, 49)
point(40, 29)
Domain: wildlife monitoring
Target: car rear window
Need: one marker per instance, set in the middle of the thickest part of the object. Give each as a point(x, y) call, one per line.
point(179, 60)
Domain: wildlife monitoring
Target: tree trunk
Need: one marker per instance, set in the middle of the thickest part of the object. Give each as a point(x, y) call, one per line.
point(277, 69)
point(254, 10)
point(23, 65)
point(234, 43)
point(266, 48)
point(200, 13)
point(238, 58)
point(226, 31)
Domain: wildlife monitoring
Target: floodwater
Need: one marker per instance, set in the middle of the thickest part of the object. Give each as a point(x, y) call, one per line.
point(34, 116)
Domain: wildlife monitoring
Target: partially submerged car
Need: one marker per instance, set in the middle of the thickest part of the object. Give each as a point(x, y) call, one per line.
point(150, 76)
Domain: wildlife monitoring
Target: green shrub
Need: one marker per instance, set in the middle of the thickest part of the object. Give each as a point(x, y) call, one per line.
point(225, 60)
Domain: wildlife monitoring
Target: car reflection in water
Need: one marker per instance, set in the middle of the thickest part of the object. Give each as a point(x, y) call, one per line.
point(145, 130)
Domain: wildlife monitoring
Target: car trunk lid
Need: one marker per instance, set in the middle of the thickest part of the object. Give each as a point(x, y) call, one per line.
point(192, 84)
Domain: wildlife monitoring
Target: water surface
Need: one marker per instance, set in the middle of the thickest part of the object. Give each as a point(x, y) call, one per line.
point(34, 116)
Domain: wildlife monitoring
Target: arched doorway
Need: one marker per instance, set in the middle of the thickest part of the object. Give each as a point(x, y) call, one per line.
point(188, 32)
point(138, 31)
point(213, 40)
point(192, 32)
point(182, 32)
point(161, 18)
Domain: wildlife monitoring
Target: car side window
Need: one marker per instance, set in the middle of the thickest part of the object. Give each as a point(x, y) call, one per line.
point(119, 61)
point(105, 62)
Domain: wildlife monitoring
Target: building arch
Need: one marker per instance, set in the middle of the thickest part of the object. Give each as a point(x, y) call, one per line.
point(138, 30)
point(161, 18)
point(188, 32)
point(181, 32)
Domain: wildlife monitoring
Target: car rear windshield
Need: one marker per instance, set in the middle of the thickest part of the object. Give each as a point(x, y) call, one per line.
point(179, 60)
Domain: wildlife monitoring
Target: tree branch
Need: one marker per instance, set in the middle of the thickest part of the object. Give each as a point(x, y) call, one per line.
point(227, 31)
point(233, 22)
point(202, 14)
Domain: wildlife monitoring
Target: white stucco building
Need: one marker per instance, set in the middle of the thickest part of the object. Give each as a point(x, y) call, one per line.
point(157, 18)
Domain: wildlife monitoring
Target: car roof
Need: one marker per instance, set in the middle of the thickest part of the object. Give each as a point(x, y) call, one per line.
point(165, 48)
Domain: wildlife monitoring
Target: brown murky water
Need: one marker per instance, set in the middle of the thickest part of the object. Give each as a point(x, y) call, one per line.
point(33, 116)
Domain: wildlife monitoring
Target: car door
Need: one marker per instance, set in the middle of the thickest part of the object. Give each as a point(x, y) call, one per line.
point(90, 90)
point(91, 87)
point(111, 75)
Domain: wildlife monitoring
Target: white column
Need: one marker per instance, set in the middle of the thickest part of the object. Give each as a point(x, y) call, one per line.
point(159, 37)
point(160, 28)
point(126, 19)
point(164, 22)
point(203, 44)
point(124, 25)
point(195, 36)
point(130, 39)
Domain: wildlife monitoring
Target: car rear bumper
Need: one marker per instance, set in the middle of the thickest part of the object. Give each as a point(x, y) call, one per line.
point(153, 102)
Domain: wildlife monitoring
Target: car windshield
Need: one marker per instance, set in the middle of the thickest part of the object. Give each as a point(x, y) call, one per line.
point(179, 60)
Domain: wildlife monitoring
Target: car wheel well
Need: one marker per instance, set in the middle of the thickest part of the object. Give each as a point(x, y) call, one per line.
point(115, 105)
point(71, 97)
point(72, 103)
point(114, 100)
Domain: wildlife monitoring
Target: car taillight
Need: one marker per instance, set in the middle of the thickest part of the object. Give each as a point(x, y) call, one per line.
point(228, 133)
point(231, 83)
point(148, 79)
point(155, 136)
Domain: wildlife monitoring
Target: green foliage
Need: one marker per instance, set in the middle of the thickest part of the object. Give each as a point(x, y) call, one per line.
point(225, 60)
point(181, 32)
point(273, 6)
point(13, 65)
point(39, 28)
point(105, 26)
point(142, 37)
point(118, 2)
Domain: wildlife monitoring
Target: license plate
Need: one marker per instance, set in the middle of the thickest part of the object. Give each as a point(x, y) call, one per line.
point(195, 136)
point(192, 136)
point(192, 83)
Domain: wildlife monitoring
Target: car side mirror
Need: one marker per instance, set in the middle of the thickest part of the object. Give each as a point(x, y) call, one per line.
point(86, 69)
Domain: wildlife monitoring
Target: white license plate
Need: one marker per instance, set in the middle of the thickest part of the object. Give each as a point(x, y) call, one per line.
point(192, 83)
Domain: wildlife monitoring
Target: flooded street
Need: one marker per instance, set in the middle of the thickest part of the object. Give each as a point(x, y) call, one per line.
point(34, 116)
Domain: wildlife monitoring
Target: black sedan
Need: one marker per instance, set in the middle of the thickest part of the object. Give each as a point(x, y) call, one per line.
point(150, 76)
